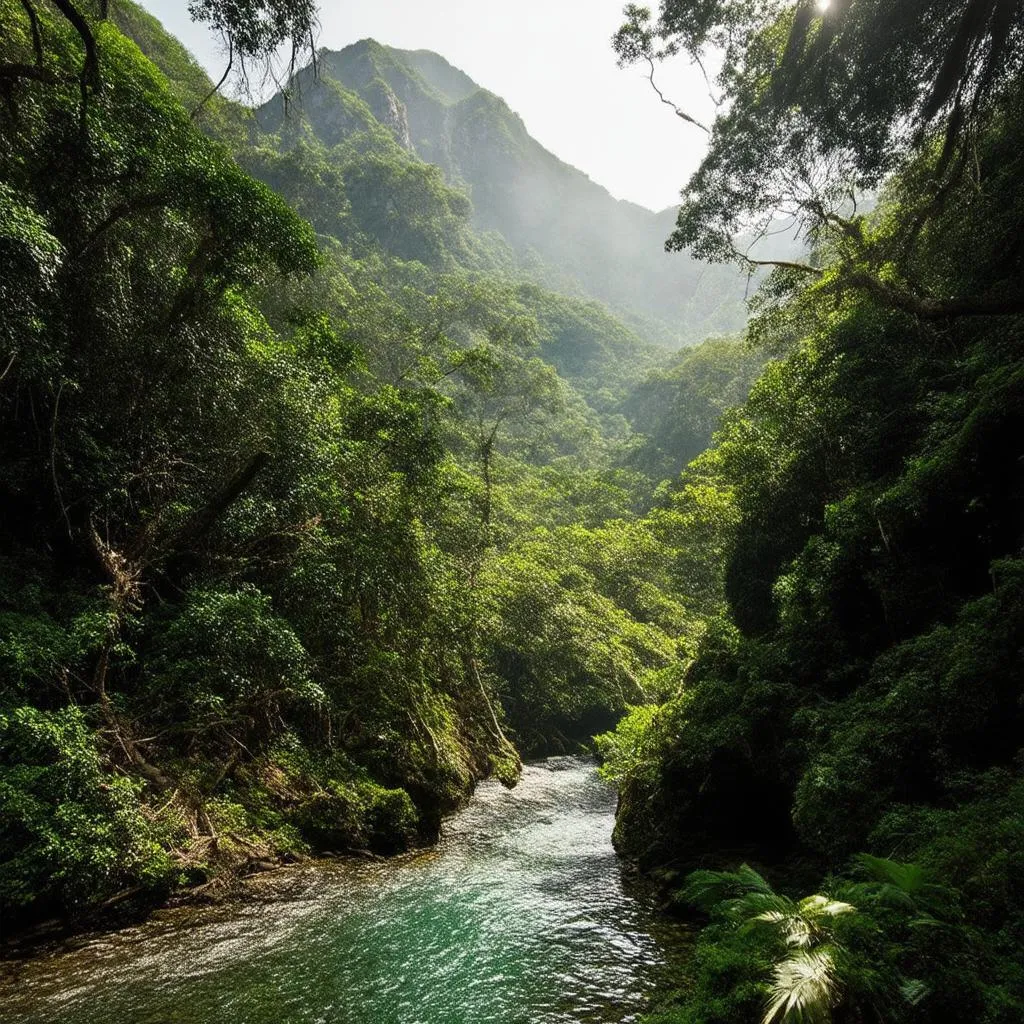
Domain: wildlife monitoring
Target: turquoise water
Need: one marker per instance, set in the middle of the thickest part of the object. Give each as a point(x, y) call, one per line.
point(520, 916)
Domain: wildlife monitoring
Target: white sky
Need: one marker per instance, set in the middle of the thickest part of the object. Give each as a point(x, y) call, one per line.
point(551, 60)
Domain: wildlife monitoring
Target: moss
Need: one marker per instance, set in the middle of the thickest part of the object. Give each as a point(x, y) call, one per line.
point(363, 815)
point(389, 817)
point(506, 766)
point(329, 821)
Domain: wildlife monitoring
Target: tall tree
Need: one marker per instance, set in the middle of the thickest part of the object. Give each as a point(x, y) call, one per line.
point(818, 101)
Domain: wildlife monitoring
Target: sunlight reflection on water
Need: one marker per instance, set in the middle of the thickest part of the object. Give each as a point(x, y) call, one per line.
point(520, 916)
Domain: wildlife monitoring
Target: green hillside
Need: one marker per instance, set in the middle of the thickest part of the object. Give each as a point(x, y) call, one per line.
point(566, 231)
point(314, 505)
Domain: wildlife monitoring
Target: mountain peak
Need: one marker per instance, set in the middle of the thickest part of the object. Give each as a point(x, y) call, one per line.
point(550, 213)
point(425, 69)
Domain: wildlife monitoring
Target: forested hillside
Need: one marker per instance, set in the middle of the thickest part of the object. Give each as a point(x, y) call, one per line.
point(342, 465)
point(842, 758)
point(563, 229)
point(316, 509)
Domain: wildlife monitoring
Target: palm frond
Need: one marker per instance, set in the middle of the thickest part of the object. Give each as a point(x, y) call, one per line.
point(910, 878)
point(795, 929)
point(804, 989)
point(866, 893)
point(818, 906)
point(914, 990)
point(907, 886)
point(708, 889)
point(753, 904)
point(800, 924)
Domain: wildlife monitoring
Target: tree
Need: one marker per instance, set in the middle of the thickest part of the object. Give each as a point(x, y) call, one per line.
point(818, 103)
point(254, 31)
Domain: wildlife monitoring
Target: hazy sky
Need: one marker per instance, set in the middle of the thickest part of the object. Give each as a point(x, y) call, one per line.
point(551, 60)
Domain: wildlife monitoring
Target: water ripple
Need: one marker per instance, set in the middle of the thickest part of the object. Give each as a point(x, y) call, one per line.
point(520, 917)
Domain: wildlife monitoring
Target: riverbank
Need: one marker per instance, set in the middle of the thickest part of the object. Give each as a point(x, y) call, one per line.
point(522, 913)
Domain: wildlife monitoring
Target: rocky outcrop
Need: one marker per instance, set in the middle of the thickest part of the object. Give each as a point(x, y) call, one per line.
point(389, 110)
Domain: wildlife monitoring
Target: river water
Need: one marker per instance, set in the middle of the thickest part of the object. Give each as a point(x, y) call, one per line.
point(521, 915)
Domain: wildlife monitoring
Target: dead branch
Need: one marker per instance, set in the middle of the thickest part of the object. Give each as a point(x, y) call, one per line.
point(668, 103)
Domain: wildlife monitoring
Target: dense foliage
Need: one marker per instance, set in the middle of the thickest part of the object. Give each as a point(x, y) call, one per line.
point(857, 694)
point(316, 508)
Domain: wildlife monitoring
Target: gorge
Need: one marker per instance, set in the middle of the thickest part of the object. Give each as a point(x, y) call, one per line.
point(355, 450)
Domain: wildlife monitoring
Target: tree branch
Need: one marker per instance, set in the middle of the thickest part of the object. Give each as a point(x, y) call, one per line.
point(223, 78)
point(12, 72)
point(668, 103)
point(146, 202)
point(91, 67)
point(803, 268)
point(90, 75)
point(53, 458)
point(37, 39)
point(934, 309)
point(205, 517)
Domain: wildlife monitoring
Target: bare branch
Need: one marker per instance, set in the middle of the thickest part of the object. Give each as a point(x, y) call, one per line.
point(668, 103)
point(803, 268)
point(716, 100)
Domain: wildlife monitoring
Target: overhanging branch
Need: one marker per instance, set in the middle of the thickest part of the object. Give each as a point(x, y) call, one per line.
point(934, 309)
point(668, 103)
point(223, 78)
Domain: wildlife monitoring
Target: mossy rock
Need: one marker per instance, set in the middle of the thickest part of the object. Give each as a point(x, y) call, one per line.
point(330, 820)
point(390, 819)
point(360, 816)
point(507, 767)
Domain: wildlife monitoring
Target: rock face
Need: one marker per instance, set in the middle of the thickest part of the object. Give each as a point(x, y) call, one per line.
point(576, 236)
point(389, 110)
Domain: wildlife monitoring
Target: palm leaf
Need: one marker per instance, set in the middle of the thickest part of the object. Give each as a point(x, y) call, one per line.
point(818, 906)
point(754, 904)
point(804, 989)
point(801, 924)
point(795, 929)
point(914, 990)
point(708, 889)
point(911, 878)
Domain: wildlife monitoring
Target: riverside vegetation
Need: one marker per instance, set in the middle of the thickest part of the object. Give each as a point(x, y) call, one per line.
point(320, 505)
point(842, 757)
point(317, 506)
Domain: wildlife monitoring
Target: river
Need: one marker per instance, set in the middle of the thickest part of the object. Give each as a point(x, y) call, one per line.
point(521, 915)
